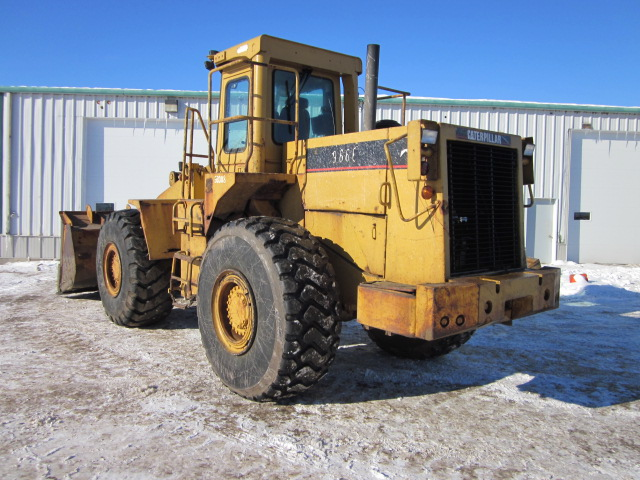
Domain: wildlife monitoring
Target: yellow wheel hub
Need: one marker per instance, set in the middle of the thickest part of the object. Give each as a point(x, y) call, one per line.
point(233, 312)
point(112, 269)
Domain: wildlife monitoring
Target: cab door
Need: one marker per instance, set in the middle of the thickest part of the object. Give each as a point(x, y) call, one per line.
point(234, 129)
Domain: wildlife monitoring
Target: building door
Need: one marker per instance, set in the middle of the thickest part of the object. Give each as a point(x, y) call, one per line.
point(132, 158)
point(604, 223)
point(541, 224)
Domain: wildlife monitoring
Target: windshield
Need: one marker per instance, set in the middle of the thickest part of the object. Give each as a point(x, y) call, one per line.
point(316, 106)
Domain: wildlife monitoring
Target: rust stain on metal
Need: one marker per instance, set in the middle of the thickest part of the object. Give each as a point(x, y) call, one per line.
point(386, 309)
point(433, 311)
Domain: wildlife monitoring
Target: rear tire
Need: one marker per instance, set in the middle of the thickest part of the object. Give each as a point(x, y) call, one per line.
point(133, 289)
point(416, 348)
point(267, 308)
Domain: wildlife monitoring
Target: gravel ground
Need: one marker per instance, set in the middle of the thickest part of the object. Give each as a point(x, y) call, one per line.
point(554, 396)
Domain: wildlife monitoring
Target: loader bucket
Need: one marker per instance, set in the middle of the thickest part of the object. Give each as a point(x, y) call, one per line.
point(80, 232)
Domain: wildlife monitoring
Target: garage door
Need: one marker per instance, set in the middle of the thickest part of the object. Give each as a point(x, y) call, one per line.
point(604, 223)
point(131, 159)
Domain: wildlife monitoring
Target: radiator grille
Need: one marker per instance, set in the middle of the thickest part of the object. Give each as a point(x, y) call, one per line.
point(483, 208)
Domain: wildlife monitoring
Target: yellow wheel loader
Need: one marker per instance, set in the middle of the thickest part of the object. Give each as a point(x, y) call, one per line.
point(293, 221)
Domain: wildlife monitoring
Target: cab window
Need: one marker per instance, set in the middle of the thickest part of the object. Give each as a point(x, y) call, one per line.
point(316, 106)
point(236, 103)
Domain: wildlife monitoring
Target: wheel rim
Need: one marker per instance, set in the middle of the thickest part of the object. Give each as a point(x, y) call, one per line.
point(233, 312)
point(112, 269)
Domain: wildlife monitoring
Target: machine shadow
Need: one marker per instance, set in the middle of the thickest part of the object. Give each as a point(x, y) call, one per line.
point(585, 353)
point(178, 319)
point(86, 295)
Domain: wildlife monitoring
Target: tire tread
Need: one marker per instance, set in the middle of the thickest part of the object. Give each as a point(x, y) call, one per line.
point(149, 302)
point(311, 302)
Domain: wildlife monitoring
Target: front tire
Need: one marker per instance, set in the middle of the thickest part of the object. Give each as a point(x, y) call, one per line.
point(417, 348)
point(268, 308)
point(133, 289)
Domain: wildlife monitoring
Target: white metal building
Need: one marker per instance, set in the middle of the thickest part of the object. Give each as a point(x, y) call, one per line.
point(64, 148)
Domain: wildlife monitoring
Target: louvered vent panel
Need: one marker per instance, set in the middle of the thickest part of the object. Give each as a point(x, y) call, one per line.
point(483, 208)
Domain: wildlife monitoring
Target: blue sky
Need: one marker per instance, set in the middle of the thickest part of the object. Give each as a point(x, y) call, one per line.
point(544, 51)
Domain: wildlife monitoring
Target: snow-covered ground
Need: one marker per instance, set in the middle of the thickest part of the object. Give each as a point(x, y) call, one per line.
point(556, 396)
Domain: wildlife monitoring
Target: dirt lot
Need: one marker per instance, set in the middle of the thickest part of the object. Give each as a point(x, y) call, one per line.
point(555, 396)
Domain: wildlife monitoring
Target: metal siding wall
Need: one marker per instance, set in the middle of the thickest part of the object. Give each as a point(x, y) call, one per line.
point(549, 128)
point(48, 149)
point(47, 159)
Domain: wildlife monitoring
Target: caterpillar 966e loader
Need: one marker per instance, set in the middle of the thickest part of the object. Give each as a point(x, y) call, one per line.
point(294, 221)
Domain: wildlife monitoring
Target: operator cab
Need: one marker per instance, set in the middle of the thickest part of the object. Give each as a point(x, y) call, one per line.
point(269, 97)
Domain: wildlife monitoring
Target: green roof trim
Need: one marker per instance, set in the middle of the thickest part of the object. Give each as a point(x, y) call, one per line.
point(561, 107)
point(107, 91)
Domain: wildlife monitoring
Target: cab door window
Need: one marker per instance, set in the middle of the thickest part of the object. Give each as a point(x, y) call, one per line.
point(236, 103)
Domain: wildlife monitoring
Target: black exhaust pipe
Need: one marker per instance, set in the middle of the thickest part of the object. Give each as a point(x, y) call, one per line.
point(371, 87)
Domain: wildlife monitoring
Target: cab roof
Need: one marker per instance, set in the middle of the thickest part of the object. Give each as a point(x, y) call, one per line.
point(277, 50)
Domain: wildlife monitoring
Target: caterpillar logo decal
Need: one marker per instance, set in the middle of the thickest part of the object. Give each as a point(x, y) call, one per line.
point(356, 156)
point(484, 137)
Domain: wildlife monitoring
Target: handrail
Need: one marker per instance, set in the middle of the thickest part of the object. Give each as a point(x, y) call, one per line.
point(237, 118)
point(175, 218)
point(220, 68)
point(187, 152)
point(250, 118)
point(189, 207)
point(400, 93)
point(192, 216)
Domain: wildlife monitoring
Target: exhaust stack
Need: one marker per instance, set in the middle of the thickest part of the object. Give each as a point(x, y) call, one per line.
point(371, 87)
